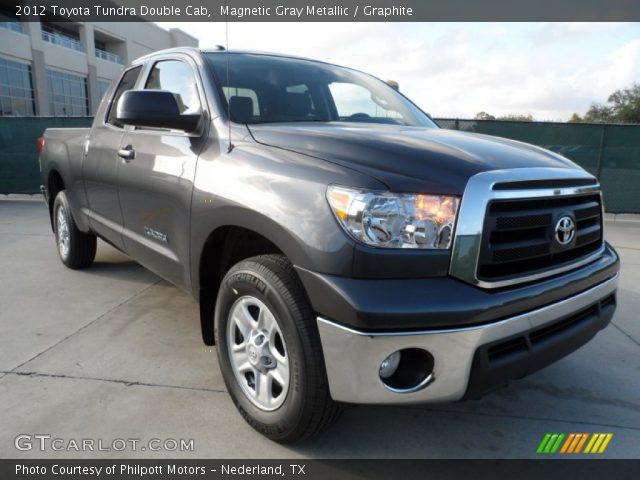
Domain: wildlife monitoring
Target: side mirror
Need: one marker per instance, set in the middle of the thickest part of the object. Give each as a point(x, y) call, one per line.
point(155, 109)
point(393, 84)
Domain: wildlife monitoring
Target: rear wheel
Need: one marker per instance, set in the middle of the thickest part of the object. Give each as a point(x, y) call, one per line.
point(75, 248)
point(269, 350)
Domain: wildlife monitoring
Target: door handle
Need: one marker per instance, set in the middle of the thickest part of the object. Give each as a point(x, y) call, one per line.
point(127, 153)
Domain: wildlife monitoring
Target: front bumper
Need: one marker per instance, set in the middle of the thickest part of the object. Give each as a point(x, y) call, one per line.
point(413, 304)
point(468, 360)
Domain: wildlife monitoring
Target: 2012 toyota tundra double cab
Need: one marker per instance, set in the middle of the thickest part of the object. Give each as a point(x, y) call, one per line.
point(341, 246)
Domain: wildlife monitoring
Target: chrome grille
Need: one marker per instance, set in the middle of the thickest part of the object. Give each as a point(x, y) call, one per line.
point(502, 235)
point(518, 236)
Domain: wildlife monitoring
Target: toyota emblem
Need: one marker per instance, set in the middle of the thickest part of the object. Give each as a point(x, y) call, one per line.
point(565, 230)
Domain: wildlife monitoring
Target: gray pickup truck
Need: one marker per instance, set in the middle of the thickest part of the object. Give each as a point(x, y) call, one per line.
point(341, 246)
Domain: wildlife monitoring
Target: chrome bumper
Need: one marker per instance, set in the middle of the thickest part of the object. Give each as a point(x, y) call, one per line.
point(352, 358)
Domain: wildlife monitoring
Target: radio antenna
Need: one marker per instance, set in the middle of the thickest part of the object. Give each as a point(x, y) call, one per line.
point(226, 34)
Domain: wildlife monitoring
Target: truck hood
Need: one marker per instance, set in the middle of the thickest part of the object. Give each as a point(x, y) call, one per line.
point(410, 159)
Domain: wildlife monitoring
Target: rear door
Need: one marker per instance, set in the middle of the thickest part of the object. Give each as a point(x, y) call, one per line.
point(100, 166)
point(156, 184)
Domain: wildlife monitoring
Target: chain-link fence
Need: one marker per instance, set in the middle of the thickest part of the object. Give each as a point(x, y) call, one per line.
point(610, 152)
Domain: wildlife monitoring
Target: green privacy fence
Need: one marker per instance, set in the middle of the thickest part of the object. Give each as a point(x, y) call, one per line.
point(611, 152)
point(19, 171)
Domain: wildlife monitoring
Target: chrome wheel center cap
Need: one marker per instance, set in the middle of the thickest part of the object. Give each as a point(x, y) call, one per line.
point(258, 350)
point(253, 353)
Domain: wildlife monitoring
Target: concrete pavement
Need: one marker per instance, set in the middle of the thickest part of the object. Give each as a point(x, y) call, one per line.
point(114, 352)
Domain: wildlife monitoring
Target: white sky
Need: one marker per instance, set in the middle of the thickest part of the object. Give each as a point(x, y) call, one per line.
point(549, 70)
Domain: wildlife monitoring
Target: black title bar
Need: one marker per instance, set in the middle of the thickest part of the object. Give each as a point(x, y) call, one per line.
point(299, 469)
point(326, 10)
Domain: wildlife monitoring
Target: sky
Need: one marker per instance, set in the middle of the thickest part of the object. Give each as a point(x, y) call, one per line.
point(548, 70)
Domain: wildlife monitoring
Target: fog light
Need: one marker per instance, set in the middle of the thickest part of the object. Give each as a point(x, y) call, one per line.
point(389, 365)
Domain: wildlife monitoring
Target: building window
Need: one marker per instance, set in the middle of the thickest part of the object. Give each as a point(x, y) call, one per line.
point(60, 36)
point(16, 90)
point(107, 49)
point(67, 94)
point(108, 56)
point(10, 23)
point(103, 86)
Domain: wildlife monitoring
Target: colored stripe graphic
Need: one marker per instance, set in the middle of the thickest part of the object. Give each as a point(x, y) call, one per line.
point(570, 438)
point(556, 445)
point(551, 443)
point(594, 437)
point(543, 443)
point(606, 442)
point(581, 442)
point(596, 446)
point(598, 443)
point(573, 443)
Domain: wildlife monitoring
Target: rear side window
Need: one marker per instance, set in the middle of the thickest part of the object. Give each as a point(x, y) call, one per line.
point(176, 77)
point(126, 83)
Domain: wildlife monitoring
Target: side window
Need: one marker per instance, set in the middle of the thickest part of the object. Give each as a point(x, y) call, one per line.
point(176, 77)
point(351, 99)
point(243, 92)
point(303, 89)
point(126, 83)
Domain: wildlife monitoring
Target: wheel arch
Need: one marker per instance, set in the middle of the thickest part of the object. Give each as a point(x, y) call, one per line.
point(55, 184)
point(222, 248)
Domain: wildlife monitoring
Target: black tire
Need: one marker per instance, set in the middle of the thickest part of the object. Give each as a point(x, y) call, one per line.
point(80, 249)
point(307, 408)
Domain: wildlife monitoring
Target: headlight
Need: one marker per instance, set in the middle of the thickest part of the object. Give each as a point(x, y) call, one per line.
point(384, 219)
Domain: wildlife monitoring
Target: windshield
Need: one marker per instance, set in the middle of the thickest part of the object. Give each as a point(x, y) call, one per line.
point(268, 88)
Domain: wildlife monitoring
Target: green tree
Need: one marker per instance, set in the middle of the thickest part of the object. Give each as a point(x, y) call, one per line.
point(599, 113)
point(484, 116)
point(575, 118)
point(517, 118)
point(625, 104)
point(510, 117)
point(622, 106)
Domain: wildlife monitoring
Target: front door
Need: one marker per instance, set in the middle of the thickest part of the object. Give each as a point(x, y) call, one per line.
point(156, 179)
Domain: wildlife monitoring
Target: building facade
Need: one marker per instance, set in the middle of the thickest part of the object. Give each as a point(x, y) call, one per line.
point(64, 68)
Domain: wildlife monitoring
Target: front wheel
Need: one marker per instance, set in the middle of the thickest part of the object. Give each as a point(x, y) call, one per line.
point(76, 249)
point(269, 350)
